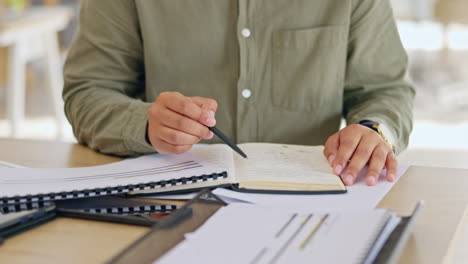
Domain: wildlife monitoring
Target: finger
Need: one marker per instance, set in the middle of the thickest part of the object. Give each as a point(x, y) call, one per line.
point(392, 167)
point(347, 146)
point(359, 159)
point(166, 148)
point(331, 148)
point(185, 106)
point(205, 103)
point(182, 123)
point(177, 137)
point(376, 164)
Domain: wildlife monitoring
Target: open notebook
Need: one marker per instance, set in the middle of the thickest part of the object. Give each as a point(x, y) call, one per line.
point(270, 168)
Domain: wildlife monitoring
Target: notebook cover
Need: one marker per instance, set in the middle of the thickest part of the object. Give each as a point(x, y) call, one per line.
point(234, 187)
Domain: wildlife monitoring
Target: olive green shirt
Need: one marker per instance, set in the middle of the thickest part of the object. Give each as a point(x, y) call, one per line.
point(283, 71)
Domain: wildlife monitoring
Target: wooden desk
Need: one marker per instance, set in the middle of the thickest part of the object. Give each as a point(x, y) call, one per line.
point(80, 241)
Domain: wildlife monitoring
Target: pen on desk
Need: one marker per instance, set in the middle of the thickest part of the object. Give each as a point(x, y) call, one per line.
point(121, 219)
point(226, 140)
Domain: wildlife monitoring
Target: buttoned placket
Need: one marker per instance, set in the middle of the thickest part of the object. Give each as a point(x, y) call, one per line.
point(245, 36)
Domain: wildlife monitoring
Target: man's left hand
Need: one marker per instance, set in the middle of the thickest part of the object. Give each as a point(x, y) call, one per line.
point(360, 145)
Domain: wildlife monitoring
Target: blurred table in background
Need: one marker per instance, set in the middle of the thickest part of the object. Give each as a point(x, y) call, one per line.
point(443, 11)
point(435, 157)
point(451, 11)
point(29, 36)
point(413, 10)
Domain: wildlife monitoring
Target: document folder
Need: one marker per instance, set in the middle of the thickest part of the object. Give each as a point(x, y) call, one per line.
point(171, 231)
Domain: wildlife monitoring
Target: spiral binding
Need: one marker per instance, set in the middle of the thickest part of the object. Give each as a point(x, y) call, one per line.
point(127, 210)
point(132, 210)
point(20, 203)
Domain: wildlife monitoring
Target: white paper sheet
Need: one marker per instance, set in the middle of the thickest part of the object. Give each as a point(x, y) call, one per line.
point(255, 234)
point(358, 196)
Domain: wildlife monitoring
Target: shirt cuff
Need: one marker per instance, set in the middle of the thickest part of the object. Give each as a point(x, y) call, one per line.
point(134, 132)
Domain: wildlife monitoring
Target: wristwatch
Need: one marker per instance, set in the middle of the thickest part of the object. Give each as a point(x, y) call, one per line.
point(376, 127)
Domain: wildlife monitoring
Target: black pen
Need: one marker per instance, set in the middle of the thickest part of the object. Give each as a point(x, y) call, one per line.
point(227, 141)
point(121, 219)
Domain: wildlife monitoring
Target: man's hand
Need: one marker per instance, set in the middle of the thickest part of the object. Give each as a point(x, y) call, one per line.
point(360, 146)
point(176, 122)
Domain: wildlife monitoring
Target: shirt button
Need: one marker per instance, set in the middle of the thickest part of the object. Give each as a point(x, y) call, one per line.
point(246, 93)
point(246, 32)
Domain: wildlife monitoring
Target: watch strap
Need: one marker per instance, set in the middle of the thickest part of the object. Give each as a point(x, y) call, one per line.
point(377, 128)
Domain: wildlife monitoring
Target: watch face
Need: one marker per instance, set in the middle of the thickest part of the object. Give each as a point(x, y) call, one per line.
point(369, 123)
point(372, 125)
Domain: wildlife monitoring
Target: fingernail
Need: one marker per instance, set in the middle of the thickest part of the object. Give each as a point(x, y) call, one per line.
point(331, 158)
point(338, 169)
point(349, 179)
point(210, 135)
point(391, 177)
point(210, 119)
point(210, 122)
point(371, 180)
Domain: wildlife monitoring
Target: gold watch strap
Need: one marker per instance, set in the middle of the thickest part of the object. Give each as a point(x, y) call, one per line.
point(376, 127)
point(378, 130)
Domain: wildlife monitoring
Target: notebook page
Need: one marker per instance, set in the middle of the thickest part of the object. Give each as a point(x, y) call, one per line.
point(254, 234)
point(219, 155)
point(151, 168)
point(285, 163)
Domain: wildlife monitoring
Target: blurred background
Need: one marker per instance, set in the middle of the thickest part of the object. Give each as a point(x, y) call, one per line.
point(434, 32)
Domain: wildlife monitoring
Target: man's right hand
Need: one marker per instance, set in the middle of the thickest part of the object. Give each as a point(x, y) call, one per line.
point(176, 122)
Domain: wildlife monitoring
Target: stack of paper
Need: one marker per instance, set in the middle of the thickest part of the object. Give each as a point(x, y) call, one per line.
point(279, 235)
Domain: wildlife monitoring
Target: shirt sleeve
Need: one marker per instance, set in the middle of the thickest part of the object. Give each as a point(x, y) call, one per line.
point(376, 85)
point(104, 76)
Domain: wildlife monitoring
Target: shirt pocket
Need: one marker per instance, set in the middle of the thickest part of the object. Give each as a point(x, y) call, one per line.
point(308, 67)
